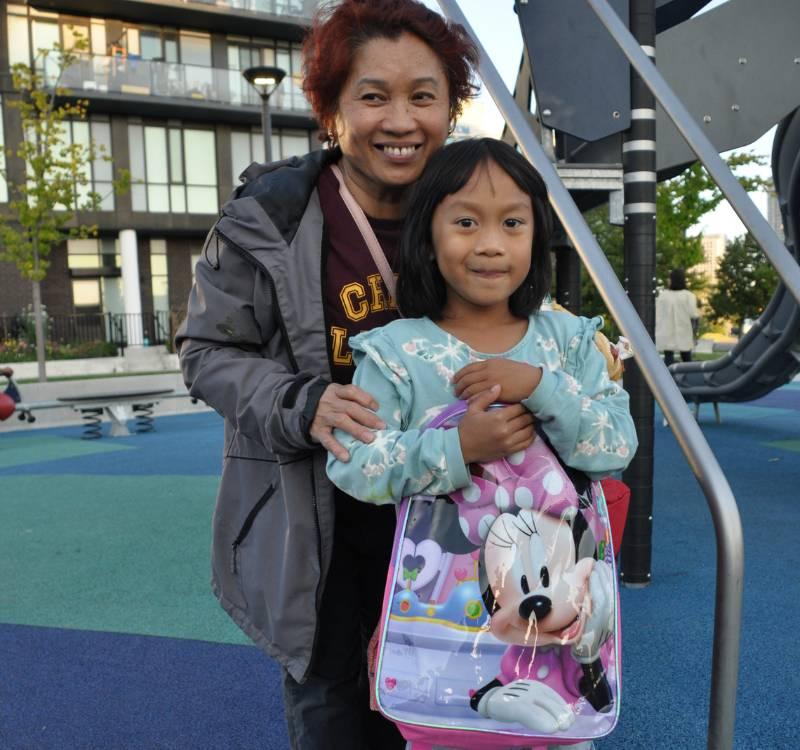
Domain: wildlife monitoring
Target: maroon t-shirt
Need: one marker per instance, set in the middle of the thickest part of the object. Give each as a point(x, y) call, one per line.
point(355, 298)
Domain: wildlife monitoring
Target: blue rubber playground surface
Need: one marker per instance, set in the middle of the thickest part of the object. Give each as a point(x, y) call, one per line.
point(111, 640)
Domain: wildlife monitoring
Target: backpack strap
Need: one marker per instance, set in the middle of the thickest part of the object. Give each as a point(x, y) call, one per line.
point(374, 247)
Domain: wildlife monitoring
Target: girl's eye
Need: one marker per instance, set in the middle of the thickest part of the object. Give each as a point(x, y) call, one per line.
point(544, 574)
point(523, 582)
point(513, 223)
point(465, 223)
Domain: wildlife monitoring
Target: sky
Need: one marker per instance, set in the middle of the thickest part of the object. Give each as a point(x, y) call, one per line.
point(496, 27)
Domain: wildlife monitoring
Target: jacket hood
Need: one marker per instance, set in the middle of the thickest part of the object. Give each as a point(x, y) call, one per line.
point(281, 190)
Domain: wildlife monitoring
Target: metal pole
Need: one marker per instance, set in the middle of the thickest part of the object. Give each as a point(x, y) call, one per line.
point(639, 181)
point(568, 274)
point(704, 465)
point(751, 217)
point(266, 127)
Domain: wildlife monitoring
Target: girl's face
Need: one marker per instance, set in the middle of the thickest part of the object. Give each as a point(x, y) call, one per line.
point(394, 112)
point(483, 239)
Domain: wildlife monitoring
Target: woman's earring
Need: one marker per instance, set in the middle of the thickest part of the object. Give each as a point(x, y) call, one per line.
point(331, 139)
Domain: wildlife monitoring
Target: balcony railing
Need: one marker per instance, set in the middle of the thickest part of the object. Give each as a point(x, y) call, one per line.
point(297, 8)
point(136, 77)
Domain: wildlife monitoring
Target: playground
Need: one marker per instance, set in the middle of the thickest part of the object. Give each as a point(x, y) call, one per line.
point(111, 638)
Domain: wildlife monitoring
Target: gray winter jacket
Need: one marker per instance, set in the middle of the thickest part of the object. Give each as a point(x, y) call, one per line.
point(253, 347)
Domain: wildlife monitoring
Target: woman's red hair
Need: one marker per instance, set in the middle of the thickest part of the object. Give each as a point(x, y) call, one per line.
point(341, 28)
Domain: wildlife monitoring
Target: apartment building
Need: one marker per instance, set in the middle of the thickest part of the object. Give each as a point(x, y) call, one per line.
point(713, 251)
point(168, 102)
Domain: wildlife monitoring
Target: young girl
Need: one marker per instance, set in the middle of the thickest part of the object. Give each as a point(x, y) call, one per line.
point(474, 271)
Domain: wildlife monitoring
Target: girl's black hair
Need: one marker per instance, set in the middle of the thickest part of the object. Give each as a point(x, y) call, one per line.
point(421, 289)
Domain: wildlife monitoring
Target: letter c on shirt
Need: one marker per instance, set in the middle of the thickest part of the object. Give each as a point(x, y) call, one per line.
point(354, 301)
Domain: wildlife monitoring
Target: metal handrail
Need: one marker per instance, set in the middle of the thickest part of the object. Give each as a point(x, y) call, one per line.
point(703, 463)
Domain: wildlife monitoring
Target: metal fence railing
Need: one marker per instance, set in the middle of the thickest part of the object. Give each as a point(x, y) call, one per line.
point(120, 329)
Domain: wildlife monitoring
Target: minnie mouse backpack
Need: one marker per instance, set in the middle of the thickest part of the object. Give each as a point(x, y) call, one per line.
point(500, 624)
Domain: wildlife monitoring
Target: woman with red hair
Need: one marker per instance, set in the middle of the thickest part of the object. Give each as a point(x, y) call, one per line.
point(285, 279)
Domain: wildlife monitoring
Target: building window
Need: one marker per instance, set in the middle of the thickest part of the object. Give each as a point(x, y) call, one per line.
point(244, 53)
point(247, 147)
point(101, 254)
point(94, 265)
point(195, 48)
point(99, 172)
point(159, 275)
point(19, 46)
point(173, 169)
point(86, 295)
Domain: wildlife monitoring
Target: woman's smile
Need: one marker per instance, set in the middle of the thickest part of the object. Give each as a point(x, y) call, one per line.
point(399, 153)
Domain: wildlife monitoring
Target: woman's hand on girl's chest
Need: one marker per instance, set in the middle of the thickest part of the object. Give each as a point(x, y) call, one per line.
point(517, 380)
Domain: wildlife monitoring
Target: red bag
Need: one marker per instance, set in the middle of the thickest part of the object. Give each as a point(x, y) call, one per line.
point(618, 498)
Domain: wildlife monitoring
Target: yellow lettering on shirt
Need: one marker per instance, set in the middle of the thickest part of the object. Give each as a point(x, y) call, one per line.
point(354, 301)
point(378, 298)
point(340, 357)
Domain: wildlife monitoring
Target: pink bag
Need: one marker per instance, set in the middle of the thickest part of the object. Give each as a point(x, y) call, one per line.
point(500, 624)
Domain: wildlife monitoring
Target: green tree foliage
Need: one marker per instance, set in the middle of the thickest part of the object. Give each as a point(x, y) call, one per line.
point(745, 282)
point(44, 205)
point(680, 205)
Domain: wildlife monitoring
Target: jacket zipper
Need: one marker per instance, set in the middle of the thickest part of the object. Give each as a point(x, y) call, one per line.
point(282, 325)
point(248, 523)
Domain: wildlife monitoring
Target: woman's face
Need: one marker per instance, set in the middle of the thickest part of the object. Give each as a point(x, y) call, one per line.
point(394, 112)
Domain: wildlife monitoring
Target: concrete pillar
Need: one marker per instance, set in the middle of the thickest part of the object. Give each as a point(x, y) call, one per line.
point(129, 252)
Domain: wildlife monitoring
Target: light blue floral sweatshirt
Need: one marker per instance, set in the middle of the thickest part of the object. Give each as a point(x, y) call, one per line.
point(408, 367)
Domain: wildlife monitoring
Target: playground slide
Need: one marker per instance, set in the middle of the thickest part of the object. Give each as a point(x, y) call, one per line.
point(768, 355)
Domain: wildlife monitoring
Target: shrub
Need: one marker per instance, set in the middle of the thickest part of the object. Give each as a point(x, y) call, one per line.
point(20, 350)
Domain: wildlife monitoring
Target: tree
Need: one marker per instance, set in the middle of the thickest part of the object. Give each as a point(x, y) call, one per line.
point(44, 205)
point(680, 205)
point(745, 282)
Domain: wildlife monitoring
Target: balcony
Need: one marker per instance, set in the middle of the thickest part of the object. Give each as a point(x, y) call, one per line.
point(161, 88)
point(300, 9)
point(281, 19)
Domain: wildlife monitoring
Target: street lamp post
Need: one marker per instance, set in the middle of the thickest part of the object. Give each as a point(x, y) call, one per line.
point(265, 79)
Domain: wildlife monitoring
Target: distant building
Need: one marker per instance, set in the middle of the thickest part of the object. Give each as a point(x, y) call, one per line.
point(168, 102)
point(713, 251)
point(774, 214)
point(478, 119)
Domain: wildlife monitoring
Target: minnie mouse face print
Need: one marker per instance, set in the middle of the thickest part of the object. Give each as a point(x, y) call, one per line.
point(540, 590)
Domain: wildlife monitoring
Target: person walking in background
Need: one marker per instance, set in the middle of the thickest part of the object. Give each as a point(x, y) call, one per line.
point(676, 319)
point(286, 278)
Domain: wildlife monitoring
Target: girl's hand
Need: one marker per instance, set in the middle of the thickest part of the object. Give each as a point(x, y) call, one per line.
point(517, 380)
point(347, 408)
point(487, 435)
